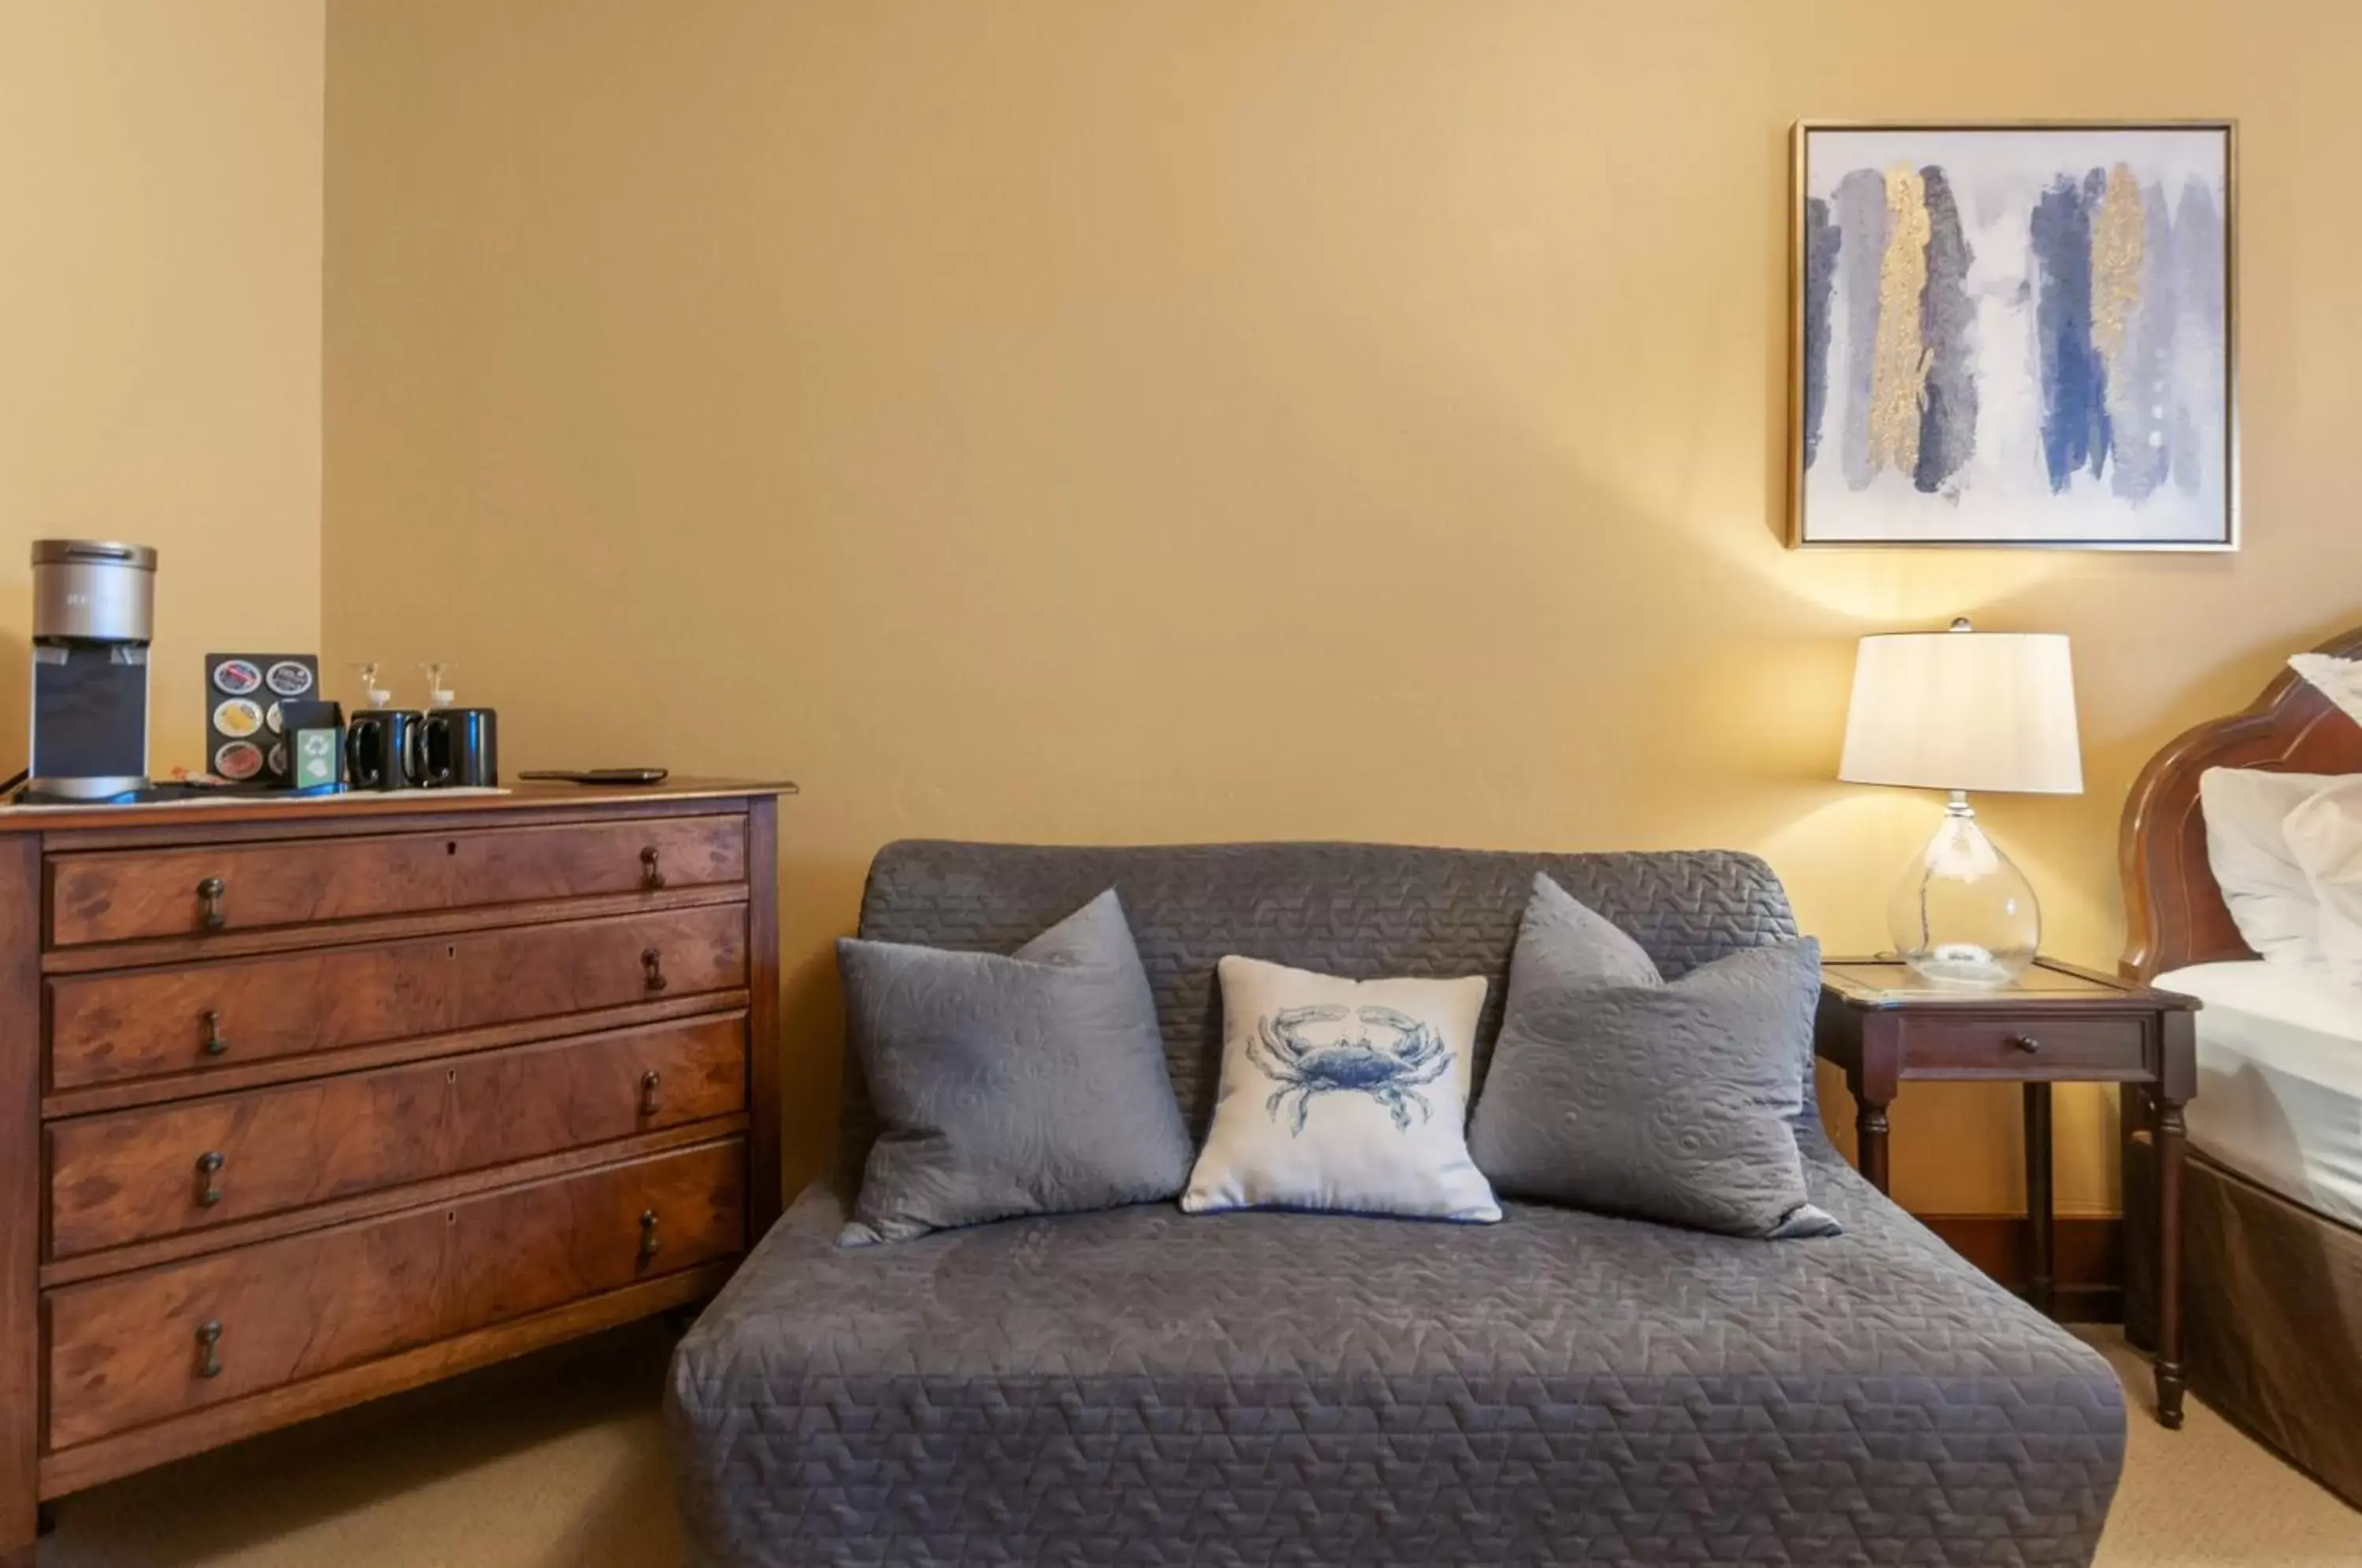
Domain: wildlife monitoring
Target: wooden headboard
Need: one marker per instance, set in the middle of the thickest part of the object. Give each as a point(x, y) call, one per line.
point(2174, 912)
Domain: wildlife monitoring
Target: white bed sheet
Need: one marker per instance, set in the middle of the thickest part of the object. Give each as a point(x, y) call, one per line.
point(2280, 1079)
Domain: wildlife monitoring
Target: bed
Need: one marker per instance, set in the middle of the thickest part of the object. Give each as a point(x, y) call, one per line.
point(2271, 1198)
point(2280, 1081)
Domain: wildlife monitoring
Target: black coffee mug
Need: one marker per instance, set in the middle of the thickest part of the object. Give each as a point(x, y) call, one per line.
point(459, 746)
point(382, 749)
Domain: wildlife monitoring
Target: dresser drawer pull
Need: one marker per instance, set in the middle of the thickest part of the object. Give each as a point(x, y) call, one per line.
point(211, 891)
point(651, 1102)
point(209, 1348)
point(651, 875)
point(214, 1044)
point(649, 1243)
point(209, 1164)
point(652, 964)
point(2025, 1042)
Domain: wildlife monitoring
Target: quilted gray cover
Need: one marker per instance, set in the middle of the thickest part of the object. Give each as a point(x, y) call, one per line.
point(1143, 1388)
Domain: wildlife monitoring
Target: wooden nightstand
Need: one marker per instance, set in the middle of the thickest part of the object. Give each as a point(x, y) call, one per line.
point(2057, 1025)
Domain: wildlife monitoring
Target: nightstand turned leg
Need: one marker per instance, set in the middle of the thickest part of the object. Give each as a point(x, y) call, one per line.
point(2169, 1131)
point(1869, 1140)
point(2042, 1289)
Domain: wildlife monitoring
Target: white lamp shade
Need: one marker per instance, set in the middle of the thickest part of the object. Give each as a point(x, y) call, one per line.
point(1962, 709)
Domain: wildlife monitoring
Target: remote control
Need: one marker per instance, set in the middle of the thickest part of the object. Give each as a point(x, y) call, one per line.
point(600, 775)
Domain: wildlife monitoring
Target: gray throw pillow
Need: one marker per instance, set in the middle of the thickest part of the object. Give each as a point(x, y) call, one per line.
point(1563, 943)
point(1029, 1084)
point(1611, 1090)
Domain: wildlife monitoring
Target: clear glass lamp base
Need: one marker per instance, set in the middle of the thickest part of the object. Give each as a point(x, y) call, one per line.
point(1964, 914)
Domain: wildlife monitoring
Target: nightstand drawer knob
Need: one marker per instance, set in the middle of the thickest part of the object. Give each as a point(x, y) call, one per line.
point(2025, 1042)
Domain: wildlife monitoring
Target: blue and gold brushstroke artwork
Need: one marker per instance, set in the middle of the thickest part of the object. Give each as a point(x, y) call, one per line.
point(2015, 335)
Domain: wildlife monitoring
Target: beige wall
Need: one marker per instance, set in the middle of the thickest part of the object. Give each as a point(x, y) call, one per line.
point(160, 323)
point(1095, 420)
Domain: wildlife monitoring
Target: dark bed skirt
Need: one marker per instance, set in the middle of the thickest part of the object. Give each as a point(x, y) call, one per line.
point(2273, 1312)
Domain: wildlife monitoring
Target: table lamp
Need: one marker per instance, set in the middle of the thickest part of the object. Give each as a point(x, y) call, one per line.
point(1959, 710)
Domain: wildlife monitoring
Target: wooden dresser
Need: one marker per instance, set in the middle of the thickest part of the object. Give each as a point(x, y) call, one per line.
point(305, 1102)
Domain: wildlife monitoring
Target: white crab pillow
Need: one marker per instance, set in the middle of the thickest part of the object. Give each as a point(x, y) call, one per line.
point(1342, 1095)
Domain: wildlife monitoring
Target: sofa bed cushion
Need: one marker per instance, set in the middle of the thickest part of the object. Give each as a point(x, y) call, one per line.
point(1342, 1095)
point(1025, 1084)
point(1144, 1386)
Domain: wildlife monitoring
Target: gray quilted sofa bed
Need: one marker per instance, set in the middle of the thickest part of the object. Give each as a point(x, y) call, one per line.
point(1145, 1387)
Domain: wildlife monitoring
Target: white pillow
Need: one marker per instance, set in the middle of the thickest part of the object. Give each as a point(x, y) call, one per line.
point(2325, 833)
point(2340, 680)
point(2268, 893)
point(1344, 1095)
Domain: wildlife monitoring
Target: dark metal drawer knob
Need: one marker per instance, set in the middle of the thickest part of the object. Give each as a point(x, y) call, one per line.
point(650, 1244)
point(2025, 1042)
point(651, 1098)
point(210, 892)
point(209, 1334)
point(652, 968)
point(213, 1045)
point(209, 1164)
point(651, 874)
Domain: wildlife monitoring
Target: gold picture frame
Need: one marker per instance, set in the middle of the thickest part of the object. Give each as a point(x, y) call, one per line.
point(2148, 279)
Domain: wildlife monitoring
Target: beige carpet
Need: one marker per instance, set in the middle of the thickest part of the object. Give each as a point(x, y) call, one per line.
point(558, 1462)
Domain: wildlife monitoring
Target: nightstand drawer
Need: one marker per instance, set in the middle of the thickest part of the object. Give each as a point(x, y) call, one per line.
point(2023, 1048)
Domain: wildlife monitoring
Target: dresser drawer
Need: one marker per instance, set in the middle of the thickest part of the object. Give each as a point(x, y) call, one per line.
point(108, 1027)
point(2022, 1048)
point(142, 1173)
point(120, 895)
point(141, 1348)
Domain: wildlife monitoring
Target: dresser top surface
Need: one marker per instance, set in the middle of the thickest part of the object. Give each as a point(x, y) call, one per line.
point(298, 811)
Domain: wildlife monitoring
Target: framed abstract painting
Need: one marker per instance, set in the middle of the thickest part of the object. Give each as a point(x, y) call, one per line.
point(2016, 334)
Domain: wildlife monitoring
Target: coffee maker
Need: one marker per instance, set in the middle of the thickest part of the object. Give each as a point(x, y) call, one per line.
point(94, 616)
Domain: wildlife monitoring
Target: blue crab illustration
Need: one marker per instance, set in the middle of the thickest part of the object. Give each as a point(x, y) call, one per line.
point(1391, 1075)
